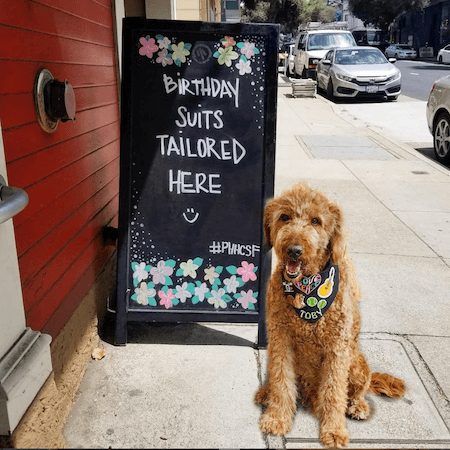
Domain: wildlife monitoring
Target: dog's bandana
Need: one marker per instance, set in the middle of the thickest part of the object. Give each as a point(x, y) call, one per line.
point(316, 292)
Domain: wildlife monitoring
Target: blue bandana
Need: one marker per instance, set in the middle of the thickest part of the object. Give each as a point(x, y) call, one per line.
point(312, 296)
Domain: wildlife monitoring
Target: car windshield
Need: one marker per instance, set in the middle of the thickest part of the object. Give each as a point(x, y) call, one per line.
point(322, 41)
point(360, 56)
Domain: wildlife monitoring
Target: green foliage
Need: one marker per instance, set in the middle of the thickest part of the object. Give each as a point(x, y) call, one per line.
point(381, 13)
point(288, 13)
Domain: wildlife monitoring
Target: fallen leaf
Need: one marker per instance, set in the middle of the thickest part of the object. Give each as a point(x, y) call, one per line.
point(98, 354)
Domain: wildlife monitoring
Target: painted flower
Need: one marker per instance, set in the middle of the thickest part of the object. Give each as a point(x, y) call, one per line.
point(211, 275)
point(140, 272)
point(217, 300)
point(164, 42)
point(231, 283)
point(180, 52)
point(166, 298)
point(148, 47)
point(246, 271)
point(160, 272)
point(200, 291)
point(143, 293)
point(244, 67)
point(163, 59)
point(228, 41)
point(226, 55)
point(248, 50)
point(189, 268)
point(246, 298)
point(182, 292)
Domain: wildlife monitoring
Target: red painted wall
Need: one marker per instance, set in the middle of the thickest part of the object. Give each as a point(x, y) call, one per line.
point(71, 175)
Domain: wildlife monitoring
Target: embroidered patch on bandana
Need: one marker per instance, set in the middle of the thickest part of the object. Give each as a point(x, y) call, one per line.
point(316, 292)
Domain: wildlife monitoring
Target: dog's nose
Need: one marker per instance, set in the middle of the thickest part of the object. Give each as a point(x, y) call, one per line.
point(295, 252)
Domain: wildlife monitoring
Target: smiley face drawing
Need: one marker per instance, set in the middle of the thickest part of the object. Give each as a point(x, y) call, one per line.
point(190, 215)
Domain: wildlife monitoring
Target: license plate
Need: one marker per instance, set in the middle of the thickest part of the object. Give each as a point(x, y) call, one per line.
point(371, 89)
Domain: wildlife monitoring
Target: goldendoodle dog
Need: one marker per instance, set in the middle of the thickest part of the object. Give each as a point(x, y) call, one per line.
point(313, 321)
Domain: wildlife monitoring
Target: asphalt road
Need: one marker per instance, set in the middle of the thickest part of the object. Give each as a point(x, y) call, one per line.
point(418, 77)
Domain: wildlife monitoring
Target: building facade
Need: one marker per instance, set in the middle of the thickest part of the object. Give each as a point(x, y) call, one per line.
point(426, 28)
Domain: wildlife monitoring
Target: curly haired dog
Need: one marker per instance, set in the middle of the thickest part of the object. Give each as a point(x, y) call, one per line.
point(313, 321)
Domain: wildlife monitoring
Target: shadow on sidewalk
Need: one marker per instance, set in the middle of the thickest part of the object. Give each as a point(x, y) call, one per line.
point(173, 334)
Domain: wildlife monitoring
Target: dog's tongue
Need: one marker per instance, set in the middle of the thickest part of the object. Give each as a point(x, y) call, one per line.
point(293, 268)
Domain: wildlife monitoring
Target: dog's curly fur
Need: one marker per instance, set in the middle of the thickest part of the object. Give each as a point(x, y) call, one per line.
point(321, 363)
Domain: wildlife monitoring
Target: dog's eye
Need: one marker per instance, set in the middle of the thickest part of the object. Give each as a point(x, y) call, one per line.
point(285, 218)
point(315, 221)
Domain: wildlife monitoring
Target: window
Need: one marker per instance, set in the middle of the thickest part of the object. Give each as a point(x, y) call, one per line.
point(231, 4)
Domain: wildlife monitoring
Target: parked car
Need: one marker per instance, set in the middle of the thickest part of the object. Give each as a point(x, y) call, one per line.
point(400, 51)
point(311, 46)
point(289, 68)
point(443, 55)
point(286, 59)
point(358, 71)
point(438, 118)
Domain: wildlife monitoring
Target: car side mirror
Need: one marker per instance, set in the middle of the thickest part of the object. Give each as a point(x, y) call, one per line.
point(327, 62)
point(392, 60)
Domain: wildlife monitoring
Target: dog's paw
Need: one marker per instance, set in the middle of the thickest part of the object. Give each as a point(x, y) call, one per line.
point(271, 424)
point(262, 395)
point(358, 409)
point(335, 438)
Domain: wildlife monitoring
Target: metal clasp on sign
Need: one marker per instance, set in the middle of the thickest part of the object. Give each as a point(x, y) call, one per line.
point(12, 200)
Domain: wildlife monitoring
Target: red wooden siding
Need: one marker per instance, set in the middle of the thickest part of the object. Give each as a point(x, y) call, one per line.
point(71, 175)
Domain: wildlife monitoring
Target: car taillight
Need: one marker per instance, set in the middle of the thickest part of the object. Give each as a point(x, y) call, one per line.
point(432, 87)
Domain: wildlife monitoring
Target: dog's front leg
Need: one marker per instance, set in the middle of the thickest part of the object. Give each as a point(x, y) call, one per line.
point(332, 398)
point(282, 393)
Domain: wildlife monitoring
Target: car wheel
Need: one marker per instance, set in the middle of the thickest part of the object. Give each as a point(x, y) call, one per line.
point(441, 138)
point(330, 93)
point(396, 56)
point(304, 74)
point(440, 59)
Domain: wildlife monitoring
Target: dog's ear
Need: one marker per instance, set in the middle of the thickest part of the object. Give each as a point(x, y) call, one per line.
point(337, 243)
point(267, 222)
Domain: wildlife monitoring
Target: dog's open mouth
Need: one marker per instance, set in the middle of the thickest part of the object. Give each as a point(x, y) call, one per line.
point(293, 269)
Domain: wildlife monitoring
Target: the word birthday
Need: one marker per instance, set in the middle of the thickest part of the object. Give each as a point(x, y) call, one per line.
point(203, 87)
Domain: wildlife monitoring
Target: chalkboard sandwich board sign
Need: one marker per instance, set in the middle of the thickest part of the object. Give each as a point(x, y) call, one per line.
point(197, 164)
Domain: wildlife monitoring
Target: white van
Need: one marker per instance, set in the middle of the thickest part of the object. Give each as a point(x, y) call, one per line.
point(311, 46)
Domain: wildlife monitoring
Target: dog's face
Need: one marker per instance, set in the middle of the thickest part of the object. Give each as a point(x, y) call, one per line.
point(305, 230)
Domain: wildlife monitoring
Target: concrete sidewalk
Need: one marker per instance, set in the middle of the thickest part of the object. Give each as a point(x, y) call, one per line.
point(192, 385)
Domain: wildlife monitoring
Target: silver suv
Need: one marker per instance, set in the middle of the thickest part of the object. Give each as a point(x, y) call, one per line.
point(311, 46)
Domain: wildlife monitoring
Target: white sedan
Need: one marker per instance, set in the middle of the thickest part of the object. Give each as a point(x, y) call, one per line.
point(400, 51)
point(443, 55)
point(358, 71)
point(438, 118)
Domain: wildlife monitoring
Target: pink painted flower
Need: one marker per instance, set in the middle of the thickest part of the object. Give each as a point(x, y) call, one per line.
point(166, 299)
point(244, 67)
point(228, 41)
point(163, 58)
point(160, 272)
point(246, 271)
point(247, 297)
point(148, 47)
point(248, 50)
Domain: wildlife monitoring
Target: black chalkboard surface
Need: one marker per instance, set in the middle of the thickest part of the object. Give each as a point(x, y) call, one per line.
point(197, 164)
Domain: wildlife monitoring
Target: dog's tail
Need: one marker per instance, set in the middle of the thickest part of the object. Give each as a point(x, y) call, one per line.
point(383, 383)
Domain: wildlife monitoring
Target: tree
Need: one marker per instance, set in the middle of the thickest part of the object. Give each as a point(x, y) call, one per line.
point(381, 13)
point(288, 13)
